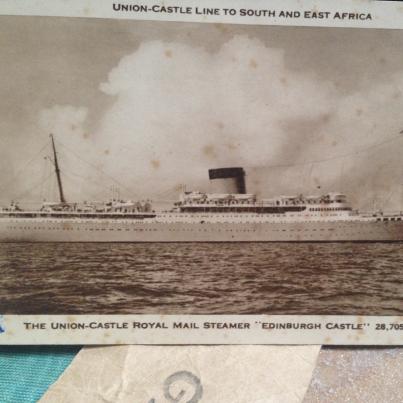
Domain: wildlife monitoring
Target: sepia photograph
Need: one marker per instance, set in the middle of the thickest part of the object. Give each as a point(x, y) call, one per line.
point(187, 168)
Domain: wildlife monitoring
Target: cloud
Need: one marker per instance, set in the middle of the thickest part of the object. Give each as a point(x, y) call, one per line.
point(179, 110)
point(190, 109)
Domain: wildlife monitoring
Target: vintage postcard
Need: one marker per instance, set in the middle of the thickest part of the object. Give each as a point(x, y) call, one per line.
point(167, 179)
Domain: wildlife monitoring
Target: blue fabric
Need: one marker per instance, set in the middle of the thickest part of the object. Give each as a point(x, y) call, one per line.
point(26, 372)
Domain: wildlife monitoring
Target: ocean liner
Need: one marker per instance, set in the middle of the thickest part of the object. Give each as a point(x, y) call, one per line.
point(228, 215)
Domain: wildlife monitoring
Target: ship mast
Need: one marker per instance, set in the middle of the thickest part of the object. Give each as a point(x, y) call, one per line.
point(59, 179)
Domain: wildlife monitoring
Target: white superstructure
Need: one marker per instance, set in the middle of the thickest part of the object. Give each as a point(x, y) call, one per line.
point(235, 216)
point(201, 217)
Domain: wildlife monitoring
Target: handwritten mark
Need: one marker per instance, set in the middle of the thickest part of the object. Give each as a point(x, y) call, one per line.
point(184, 376)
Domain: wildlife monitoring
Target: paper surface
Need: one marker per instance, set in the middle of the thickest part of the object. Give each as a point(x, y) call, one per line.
point(201, 329)
point(341, 13)
point(368, 375)
point(189, 183)
point(214, 374)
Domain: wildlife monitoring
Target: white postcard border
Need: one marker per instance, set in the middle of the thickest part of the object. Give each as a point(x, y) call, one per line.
point(263, 329)
point(201, 329)
point(319, 13)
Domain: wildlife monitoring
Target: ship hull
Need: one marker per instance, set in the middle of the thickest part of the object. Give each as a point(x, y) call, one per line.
point(64, 230)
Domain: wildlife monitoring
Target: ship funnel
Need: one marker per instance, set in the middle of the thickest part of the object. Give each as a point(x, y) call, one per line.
point(228, 180)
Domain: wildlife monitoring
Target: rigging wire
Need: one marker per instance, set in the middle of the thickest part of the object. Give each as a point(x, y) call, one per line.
point(94, 167)
point(23, 167)
point(42, 179)
point(71, 175)
point(34, 187)
point(363, 150)
point(168, 192)
point(74, 174)
point(173, 190)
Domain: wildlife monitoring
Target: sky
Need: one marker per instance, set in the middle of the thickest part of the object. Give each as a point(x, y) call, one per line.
point(148, 107)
